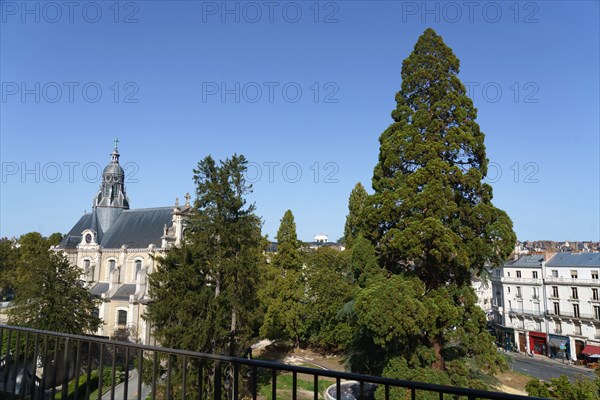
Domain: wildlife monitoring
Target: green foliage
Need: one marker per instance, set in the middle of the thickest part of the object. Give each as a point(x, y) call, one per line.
point(432, 225)
point(9, 257)
point(82, 386)
point(330, 285)
point(537, 388)
point(431, 215)
point(562, 388)
point(364, 262)
point(283, 293)
point(205, 293)
point(49, 293)
point(356, 202)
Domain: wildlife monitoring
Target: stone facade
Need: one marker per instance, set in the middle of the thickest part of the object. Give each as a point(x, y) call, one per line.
point(117, 248)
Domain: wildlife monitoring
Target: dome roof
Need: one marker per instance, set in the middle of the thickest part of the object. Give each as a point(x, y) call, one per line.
point(113, 169)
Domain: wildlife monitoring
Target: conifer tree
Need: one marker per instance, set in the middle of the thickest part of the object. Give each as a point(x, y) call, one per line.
point(356, 202)
point(433, 225)
point(283, 293)
point(204, 293)
point(431, 214)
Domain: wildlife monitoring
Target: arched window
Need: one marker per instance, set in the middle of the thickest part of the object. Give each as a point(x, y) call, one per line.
point(121, 317)
point(111, 267)
point(137, 269)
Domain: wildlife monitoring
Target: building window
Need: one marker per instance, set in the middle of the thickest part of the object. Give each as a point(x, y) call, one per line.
point(594, 274)
point(508, 273)
point(554, 291)
point(508, 288)
point(535, 275)
point(597, 312)
point(536, 293)
point(518, 274)
point(556, 308)
point(138, 268)
point(574, 294)
point(578, 329)
point(576, 311)
point(573, 274)
point(121, 317)
point(111, 267)
point(519, 294)
point(557, 327)
point(594, 294)
point(86, 266)
point(555, 273)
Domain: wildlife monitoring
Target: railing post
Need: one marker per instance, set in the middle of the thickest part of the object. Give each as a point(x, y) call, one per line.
point(66, 364)
point(217, 382)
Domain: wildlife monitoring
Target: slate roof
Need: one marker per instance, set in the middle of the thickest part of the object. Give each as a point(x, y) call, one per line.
point(574, 260)
point(124, 292)
point(73, 238)
point(99, 288)
point(138, 228)
point(135, 228)
point(526, 261)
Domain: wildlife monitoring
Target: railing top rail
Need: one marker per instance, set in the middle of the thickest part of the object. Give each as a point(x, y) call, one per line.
point(471, 393)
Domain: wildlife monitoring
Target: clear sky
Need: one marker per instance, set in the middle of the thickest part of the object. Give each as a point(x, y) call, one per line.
point(303, 89)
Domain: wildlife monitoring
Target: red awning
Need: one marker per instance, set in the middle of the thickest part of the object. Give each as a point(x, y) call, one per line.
point(590, 349)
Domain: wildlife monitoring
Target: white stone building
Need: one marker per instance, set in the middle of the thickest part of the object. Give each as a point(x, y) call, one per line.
point(549, 305)
point(117, 249)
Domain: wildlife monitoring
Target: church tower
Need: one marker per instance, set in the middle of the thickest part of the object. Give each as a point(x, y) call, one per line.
point(111, 199)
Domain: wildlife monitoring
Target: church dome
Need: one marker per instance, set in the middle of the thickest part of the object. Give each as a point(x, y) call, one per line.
point(113, 168)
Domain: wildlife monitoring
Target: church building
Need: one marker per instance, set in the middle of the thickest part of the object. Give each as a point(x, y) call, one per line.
point(117, 248)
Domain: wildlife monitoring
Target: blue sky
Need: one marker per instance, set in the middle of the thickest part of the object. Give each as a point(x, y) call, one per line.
point(302, 89)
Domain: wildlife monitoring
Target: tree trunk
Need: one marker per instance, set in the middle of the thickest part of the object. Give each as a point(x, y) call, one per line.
point(439, 364)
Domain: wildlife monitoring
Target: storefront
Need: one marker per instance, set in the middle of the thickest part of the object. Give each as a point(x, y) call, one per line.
point(537, 343)
point(508, 339)
point(559, 347)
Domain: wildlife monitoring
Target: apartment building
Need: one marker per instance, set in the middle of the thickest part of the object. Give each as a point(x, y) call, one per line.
point(549, 305)
point(518, 305)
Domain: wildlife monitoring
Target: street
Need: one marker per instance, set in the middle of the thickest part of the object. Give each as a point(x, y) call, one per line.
point(544, 368)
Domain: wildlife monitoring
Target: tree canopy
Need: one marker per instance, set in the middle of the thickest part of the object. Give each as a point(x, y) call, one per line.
point(49, 292)
point(432, 226)
point(205, 293)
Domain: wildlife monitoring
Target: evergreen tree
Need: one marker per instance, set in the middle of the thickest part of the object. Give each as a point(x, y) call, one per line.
point(431, 215)
point(284, 292)
point(432, 223)
point(49, 292)
point(204, 293)
point(330, 285)
point(356, 202)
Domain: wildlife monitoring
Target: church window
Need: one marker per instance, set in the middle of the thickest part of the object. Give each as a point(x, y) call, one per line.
point(121, 317)
point(111, 267)
point(138, 268)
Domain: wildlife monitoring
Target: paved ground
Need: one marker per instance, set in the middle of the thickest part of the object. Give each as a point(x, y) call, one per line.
point(132, 392)
point(545, 368)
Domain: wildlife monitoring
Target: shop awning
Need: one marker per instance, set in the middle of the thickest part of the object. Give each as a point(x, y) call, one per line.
point(590, 349)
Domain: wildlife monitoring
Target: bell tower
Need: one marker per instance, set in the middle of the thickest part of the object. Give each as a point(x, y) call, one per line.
point(111, 199)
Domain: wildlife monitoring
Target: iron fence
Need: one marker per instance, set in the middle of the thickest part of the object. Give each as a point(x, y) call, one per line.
point(49, 365)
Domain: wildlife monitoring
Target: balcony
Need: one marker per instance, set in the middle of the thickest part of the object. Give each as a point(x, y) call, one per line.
point(522, 281)
point(175, 373)
point(552, 280)
point(571, 315)
point(532, 313)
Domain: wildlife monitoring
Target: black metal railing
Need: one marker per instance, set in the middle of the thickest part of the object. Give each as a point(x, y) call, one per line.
point(48, 365)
